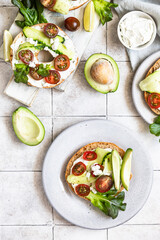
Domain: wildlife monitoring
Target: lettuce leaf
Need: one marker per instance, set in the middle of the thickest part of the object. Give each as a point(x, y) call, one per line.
point(21, 73)
point(155, 127)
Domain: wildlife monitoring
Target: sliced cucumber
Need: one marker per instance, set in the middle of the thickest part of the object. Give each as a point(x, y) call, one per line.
point(63, 50)
point(61, 39)
point(107, 163)
point(126, 168)
point(116, 166)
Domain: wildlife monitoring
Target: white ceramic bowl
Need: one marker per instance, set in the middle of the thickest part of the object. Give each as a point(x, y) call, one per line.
point(135, 14)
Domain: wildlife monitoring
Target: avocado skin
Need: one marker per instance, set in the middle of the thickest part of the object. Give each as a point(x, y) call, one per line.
point(38, 122)
point(99, 87)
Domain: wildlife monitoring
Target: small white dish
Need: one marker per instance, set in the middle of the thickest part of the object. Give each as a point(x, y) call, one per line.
point(135, 14)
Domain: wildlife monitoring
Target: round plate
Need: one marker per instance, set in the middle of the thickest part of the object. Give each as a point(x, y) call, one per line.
point(138, 98)
point(79, 211)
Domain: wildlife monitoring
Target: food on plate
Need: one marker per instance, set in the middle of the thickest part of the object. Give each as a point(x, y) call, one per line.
point(32, 11)
point(102, 73)
point(155, 127)
point(151, 87)
point(72, 24)
point(62, 6)
point(99, 172)
point(25, 51)
point(7, 41)
point(27, 127)
point(136, 30)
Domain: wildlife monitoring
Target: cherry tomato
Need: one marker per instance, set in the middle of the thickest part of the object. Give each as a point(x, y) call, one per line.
point(34, 74)
point(48, 3)
point(104, 184)
point(101, 168)
point(26, 56)
point(53, 78)
point(154, 100)
point(61, 62)
point(78, 169)
point(72, 24)
point(51, 30)
point(82, 190)
point(89, 155)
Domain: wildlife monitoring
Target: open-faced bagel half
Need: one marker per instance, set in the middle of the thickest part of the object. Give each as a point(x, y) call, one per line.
point(146, 94)
point(20, 38)
point(74, 4)
point(90, 147)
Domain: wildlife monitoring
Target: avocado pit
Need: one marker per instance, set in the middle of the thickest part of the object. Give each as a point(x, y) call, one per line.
point(102, 71)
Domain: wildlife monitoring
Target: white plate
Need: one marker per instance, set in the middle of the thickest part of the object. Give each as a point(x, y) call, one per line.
point(137, 94)
point(76, 210)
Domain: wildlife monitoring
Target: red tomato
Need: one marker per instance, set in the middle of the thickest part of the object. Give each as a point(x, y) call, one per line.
point(154, 100)
point(78, 169)
point(61, 62)
point(104, 184)
point(53, 78)
point(89, 155)
point(26, 56)
point(48, 3)
point(101, 168)
point(34, 74)
point(82, 190)
point(51, 30)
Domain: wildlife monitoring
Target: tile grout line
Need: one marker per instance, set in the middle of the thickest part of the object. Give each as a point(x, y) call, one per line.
point(80, 116)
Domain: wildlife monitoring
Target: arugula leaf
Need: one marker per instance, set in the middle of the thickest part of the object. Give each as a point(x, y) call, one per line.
point(21, 73)
point(109, 202)
point(155, 127)
point(103, 9)
point(44, 71)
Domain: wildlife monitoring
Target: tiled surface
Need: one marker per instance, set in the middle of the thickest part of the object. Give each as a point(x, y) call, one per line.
point(24, 210)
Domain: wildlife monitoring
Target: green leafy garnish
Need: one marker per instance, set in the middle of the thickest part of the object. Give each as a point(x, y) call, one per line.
point(103, 9)
point(44, 71)
point(21, 73)
point(155, 127)
point(108, 202)
point(31, 11)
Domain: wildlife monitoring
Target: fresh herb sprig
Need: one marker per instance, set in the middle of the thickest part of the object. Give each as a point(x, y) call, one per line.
point(155, 127)
point(44, 71)
point(31, 11)
point(103, 9)
point(21, 73)
point(110, 202)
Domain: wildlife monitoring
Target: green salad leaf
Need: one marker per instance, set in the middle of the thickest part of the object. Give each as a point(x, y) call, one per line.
point(103, 9)
point(110, 202)
point(31, 11)
point(44, 71)
point(21, 73)
point(155, 127)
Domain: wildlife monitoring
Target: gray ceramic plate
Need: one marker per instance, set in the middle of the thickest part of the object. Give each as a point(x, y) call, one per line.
point(76, 210)
point(137, 94)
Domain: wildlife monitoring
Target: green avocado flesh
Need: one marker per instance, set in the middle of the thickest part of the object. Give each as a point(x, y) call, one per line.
point(103, 88)
point(151, 83)
point(126, 168)
point(28, 128)
point(62, 6)
point(116, 166)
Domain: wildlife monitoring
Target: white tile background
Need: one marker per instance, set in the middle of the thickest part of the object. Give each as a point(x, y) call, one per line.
point(24, 210)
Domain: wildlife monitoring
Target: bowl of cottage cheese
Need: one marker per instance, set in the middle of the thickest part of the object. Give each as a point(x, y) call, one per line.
point(136, 30)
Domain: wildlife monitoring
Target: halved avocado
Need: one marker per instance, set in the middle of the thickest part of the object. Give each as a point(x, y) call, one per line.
point(28, 128)
point(103, 88)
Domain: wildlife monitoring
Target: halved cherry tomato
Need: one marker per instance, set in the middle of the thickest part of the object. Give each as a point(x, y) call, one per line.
point(104, 184)
point(34, 74)
point(78, 169)
point(51, 30)
point(82, 190)
point(53, 78)
point(89, 155)
point(101, 168)
point(154, 100)
point(48, 3)
point(26, 56)
point(61, 62)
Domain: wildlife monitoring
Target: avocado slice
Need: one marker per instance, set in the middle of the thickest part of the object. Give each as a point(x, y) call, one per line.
point(116, 166)
point(107, 163)
point(27, 127)
point(80, 179)
point(126, 168)
point(103, 88)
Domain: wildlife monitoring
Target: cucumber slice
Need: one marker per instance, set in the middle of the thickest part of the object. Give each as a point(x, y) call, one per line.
point(107, 163)
point(116, 166)
point(126, 168)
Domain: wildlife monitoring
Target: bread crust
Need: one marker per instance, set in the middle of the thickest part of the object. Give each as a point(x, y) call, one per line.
point(20, 35)
point(90, 147)
point(73, 8)
point(146, 94)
